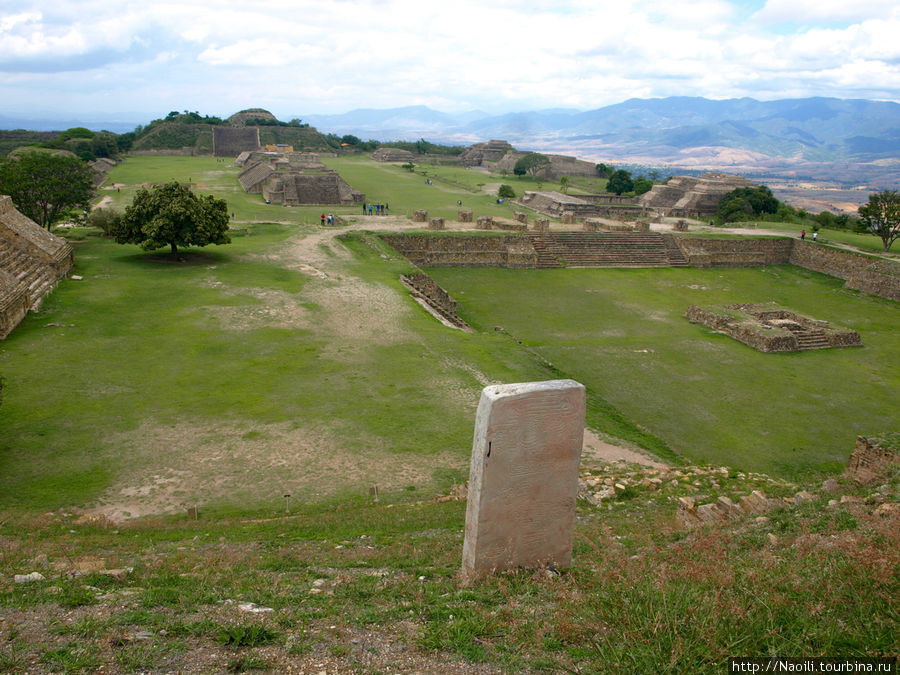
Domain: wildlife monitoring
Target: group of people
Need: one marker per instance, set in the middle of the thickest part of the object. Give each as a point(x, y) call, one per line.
point(803, 235)
point(329, 219)
point(375, 209)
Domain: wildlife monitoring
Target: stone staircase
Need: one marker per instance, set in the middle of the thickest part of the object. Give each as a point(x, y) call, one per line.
point(809, 338)
point(606, 249)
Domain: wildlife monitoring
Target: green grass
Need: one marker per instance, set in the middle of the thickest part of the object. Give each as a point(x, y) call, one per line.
point(623, 334)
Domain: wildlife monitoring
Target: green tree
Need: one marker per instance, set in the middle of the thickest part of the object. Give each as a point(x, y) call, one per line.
point(409, 166)
point(881, 216)
point(564, 184)
point(619, 182)
point(45, 186)
point(746, 203)
point(604, 171)
point(171, 215)
point(533, 163)
point(642, 185)
point(506, 192)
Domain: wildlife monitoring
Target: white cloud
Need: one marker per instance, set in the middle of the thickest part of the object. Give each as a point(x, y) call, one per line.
point(333, 56)
point(820, 11)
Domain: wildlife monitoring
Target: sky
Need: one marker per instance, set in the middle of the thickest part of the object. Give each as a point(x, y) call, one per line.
point(296, 57)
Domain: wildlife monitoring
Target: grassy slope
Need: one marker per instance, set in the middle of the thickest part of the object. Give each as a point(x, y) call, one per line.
point(360, 586)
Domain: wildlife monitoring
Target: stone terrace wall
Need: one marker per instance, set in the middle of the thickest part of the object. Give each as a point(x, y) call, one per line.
point(231, 141)
point(32, 261)
point(735, 252)
point(508, 251)
point(861, 272)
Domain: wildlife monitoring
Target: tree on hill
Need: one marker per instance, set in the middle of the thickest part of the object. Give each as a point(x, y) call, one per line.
point(745, 203)
point(881, 216)
point(642, 185)
point(620, 181)
point(533, 163)
point(564, 184)
point(506, 192)
point(171, 215)
point(45, 186)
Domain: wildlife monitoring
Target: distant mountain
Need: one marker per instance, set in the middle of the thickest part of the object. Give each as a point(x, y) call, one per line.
point(813, 129)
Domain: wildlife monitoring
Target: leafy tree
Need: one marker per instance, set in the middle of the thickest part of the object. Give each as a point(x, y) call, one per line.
point(533, 163)
point(45, 186)
point(604, 171)
point(350, 139)
point(409, 166)
point(506, 192)
point(642, 185)
point(620, 181)
point(564, 184)
point(746, 203)
point(881, 216)
point(172, 215)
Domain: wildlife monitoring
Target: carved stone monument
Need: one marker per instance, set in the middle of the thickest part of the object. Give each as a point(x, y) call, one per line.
point(523, 478)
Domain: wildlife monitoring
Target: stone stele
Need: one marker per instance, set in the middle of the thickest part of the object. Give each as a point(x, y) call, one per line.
point(523, 479)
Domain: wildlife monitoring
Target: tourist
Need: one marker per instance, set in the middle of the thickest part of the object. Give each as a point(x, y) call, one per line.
point(365, 211)
point(803, 234)
point(323, 220)
point(815, 236)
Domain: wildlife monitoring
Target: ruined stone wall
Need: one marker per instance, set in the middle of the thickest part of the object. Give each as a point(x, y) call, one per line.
point(505, 251)
point(861, 272)
point(872, 459)
point(32, 262)
point(232, 141)
point(735, 252)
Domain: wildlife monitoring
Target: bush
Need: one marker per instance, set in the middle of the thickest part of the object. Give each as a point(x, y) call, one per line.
point(506, 192)
point(106, 220)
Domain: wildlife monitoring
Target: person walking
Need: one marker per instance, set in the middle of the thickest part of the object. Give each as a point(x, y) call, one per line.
point(803, 234)
point(323, 220)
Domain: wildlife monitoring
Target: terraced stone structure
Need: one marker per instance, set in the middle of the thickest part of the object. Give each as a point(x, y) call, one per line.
point(294, 179)
point(689, 197)
point(393, 155)
point(32, 261)
point(768, 327)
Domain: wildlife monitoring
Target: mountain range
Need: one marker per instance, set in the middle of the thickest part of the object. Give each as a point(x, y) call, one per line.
point(817, 138)
point(847, 142)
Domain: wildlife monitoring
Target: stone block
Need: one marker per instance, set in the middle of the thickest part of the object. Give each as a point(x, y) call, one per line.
point(567, 218)
point(464, 215)
point(541, 225)
point(436, 224)
point(521, 217)
point(420, 216)
point(523, 477)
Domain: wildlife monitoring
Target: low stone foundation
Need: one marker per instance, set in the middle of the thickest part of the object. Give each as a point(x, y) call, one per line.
point(767, 327)
point(420, 216)
point(436, 224)
point(485, 223)
point(464, 215)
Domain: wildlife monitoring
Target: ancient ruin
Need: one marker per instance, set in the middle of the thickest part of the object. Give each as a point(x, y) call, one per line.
point(523, 476)
point(689, 197)
point(768, 327)
point(874, 458)
point(556, 204)
point(393, 155)
point(435, 299)
point(232, 141)
point(293, 179)
point(32, 261)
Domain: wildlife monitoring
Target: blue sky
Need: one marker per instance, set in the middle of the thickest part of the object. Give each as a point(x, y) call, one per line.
point(302, 57)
